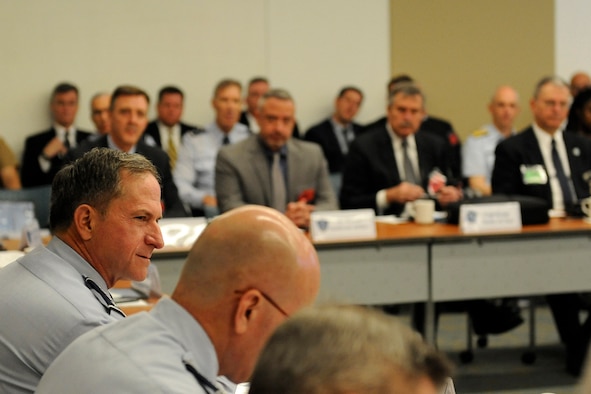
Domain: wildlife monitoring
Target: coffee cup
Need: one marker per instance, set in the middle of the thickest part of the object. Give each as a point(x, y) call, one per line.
point(586, 206)
point(424, 210)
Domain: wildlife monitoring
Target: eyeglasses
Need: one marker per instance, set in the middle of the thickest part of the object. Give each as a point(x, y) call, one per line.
point(268, 298)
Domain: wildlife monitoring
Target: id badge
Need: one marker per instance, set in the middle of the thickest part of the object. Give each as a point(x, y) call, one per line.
point(533, 174)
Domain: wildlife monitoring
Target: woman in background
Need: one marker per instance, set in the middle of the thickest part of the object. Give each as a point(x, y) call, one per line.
point(9, 178)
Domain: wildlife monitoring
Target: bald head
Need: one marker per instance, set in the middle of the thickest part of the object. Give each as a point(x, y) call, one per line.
point(99, 112)
point(249, 268)
point(252, 246)
point(504, 108)
point(578, 82)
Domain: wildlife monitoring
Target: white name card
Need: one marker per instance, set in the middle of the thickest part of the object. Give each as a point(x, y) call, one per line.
point(181, 232)
point(343, 225)
point(493, 217)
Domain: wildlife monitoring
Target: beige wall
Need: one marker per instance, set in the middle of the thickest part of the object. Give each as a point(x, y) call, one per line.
point(460, 50)
point(300, 45)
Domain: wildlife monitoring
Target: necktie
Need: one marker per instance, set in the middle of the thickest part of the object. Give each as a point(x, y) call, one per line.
point(409, 171)
point(278, 184)
point(561, 175)
point(101, 296)
point(343, 140)
point(226, 140)
point(172, 153)
point(67, 140)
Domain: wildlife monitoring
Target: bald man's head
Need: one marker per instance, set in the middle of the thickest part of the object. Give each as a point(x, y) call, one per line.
point(504, 108)
point(579, 81)
point(249, 268)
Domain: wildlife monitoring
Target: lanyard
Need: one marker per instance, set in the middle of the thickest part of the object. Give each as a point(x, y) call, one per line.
point(109, 305)
point(202, 380)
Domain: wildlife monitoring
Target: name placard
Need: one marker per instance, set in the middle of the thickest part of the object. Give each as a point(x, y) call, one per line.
point(493, 217)
point(181, 232)
point(343, 225)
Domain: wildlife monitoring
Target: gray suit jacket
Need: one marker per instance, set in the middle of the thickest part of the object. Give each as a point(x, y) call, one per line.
point(242, 174)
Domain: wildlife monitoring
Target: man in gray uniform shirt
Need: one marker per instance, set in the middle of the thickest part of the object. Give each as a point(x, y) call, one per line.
point(249, 270)
point(104, 217)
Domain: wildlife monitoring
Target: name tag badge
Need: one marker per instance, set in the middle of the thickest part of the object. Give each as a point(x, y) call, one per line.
point(343, 225)
point(533, 174)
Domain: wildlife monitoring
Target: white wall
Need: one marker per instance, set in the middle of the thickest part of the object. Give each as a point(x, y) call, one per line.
point(310, 47)
point(573, 41)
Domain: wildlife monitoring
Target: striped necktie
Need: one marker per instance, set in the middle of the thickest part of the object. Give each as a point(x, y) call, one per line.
point(172, 153)
point(562, 178)
point(409, 172)
point(278, 184)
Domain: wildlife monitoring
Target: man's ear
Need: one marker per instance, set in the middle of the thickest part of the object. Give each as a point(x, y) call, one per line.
point(247, 310)
point(84, 220)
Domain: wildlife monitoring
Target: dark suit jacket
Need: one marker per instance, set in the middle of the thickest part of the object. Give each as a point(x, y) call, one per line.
point(31, 173)
point(444, 130)
point(152, 131)
point(371, 167)
point(323, 134)
point(244, 120)
point(173, 207)
point(523, 148)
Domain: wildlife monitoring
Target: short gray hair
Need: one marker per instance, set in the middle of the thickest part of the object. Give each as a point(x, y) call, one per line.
point(406, 89)
point(279, 94)
point(93, 179)
point(334, 349)
point(550, 80)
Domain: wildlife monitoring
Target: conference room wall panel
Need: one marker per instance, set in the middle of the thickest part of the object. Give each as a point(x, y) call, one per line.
point(461, 50)
point(310, 48)
point(573, 38)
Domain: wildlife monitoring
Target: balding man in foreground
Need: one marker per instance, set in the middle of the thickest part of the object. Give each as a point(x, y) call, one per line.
point(249, 270)
point(347, 349)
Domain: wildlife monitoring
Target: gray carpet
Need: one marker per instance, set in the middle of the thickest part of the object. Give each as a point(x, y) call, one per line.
point(498, 367)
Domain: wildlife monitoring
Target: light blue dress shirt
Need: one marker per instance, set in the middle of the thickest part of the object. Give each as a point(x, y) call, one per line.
point(145, 353)
point(478, 152)
point(44, 306)
point(194, 173)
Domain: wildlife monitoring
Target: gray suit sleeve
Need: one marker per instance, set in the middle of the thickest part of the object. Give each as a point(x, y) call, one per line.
point(326, 199)
point(227, 183)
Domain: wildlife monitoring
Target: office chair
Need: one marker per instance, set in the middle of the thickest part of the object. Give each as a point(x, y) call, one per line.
point(528, 357)
point(39, 196)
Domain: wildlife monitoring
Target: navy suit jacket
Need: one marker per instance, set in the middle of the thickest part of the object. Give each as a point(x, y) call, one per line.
point(371, 167)
point(31, 173)
point(523, 148)
point(323, 134)
point(173, 207)
point(153, 131)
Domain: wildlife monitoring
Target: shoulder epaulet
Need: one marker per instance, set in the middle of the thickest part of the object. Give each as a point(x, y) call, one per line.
point(479, 133)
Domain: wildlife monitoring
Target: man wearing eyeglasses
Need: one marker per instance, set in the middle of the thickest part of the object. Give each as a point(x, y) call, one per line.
point(249, 270)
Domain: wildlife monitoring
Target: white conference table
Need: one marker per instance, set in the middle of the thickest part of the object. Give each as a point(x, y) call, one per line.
point(430, 263)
